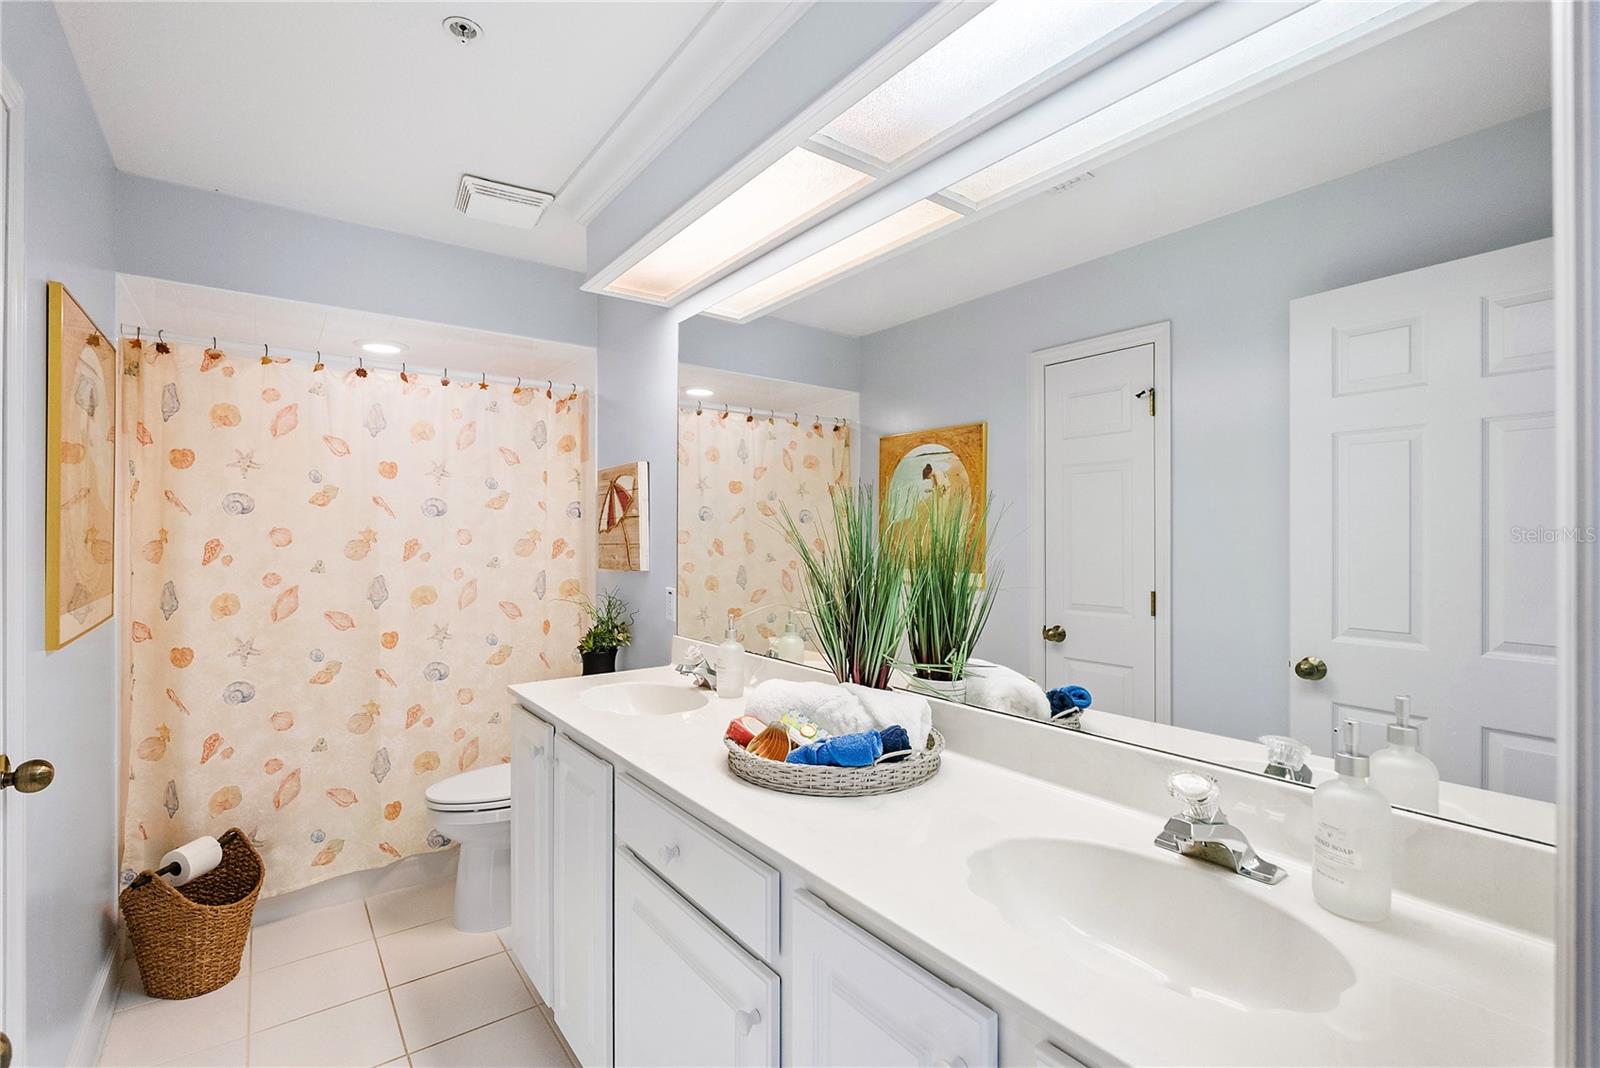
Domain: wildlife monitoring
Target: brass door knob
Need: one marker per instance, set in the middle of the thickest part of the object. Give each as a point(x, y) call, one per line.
point(29, 777)
point(1311, 668)
point(1055, 632)
point(5, 1051)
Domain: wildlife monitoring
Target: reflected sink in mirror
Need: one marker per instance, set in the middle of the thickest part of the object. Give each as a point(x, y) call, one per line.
point(1190, 927)
point(643, 699)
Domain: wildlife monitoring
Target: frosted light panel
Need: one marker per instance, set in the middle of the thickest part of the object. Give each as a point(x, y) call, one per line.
point(1227, 70)
point(789, 192)
point(1006, 49)
point(905, 225)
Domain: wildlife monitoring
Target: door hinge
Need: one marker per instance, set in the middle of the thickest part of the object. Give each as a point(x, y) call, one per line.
point(1152, 602)
point(1150, 395)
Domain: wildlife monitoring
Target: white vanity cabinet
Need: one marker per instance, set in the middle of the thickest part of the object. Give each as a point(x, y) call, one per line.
point(855, 1001)
point(686, 993)
point(580, 987)
point(532, 823)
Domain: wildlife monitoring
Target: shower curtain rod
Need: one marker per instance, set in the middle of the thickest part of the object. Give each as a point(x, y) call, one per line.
point(144, 333)
point(759, 413)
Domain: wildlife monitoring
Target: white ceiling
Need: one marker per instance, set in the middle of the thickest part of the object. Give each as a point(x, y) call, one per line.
point(243, 322)
point(1465, 72)
point(370, 112)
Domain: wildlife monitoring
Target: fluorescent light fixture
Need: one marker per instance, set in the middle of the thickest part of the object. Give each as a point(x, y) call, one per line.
point(1009, 48)
point(382, 348)
point(1229, 70)
point(903, 226)
point(792, 190)
point(698, 391)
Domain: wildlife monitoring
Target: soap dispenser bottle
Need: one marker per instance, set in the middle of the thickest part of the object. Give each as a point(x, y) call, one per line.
point(730, 662)
point(790, 645)
point(1352, 862)
point(1399, 771)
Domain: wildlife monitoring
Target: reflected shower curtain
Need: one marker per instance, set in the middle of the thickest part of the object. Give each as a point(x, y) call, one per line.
point(332, 578)
point(734, 475)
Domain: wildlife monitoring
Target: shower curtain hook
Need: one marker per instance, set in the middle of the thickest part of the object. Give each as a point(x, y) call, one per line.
point(516, 390)
point(698, 408)
point(444, 379)
point(161, 342)
point(549, 390)
point(318, 365)
point(213, 341)
point(403, 376)
point(361, 368)
point(266, 356)
point(483, 380)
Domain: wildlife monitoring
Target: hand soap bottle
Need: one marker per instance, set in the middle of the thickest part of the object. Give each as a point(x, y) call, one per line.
point(730, 663)
point(1352, 865)
point(790, 645)
point(1399, 771)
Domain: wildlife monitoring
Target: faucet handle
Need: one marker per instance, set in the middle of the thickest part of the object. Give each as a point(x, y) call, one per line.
point(1197, 791)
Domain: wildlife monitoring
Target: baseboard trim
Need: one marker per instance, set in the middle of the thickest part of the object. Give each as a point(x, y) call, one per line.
point(415, 870)
point(98, 1010)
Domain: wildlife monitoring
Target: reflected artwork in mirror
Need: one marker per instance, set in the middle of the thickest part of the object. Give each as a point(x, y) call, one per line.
point(1265, 408)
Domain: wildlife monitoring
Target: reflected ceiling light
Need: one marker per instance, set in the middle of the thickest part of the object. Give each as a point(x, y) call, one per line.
point(1011, 47)
point(903, 226)
point(1283, 44)
point(792, 190)
point(698, 391)
point(382, 348)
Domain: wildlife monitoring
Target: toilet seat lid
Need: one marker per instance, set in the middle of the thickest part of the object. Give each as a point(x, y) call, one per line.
point(477, 788)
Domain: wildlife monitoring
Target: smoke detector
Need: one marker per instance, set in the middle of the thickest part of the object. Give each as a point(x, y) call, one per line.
point(462, 29)
point(498, 202)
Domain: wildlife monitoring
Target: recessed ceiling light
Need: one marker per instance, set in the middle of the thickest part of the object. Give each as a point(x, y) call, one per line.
point(382, 348)
point(698, 391)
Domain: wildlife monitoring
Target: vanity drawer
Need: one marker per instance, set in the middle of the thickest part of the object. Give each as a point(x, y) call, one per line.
point(735, 889)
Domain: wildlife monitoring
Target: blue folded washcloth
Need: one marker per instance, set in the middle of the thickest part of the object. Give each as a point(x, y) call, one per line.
point(1067, 699)
point(895, 739)
point(846, 751)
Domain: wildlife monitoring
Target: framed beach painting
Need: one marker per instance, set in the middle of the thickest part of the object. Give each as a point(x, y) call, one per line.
point(80, 472)
point(623, 531)
point(945, 460)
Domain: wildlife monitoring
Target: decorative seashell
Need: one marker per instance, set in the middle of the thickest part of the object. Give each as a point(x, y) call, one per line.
point(469, 755)
point(238, 504)
point(509, 456)
point(209, 747)
point(141, 631)
point(314, 476)
point(413, 714)
point(384, 847)
point(437, 840)
point(500, 656)
point(169, 401)
point(422, 430)
point(320, 746)
point(511, 609)
point(380, 764)
point(574, 510)
point(155, 746)
point(390, 639)
point(238, 693)
point(339, 620)
point(567, 444)
point(273, 766)
point(540, 585)
point(169, 599)
point(425, 762)
point(282, 721)
point(741, 577)
point(280, 536)
point(287, 603)
point(182, 459)
point(466, 436)
point(436, 671)
point(498, 501)
point(317, 656)
point(318, 836)
point(211, 550)
point(375, 422)
point(422, 596)
point(391, 812)
point(328, 854)
point(169, 798)
point(434, 507)
point(342, 796)
point(541, 434)
point(324, 496)
point(225, 415)
point(181, 656)
point(336, 445)
point(329, 671)
point(377, 592)
point(384, 505)
point(288, 789)
point(287, 419)
point(172, 499)
point(388, 468)
point(772, 744)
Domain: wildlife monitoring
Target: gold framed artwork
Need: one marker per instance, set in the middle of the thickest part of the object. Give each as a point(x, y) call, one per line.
point(947, 459)
point(623, 526)
point(81, 472)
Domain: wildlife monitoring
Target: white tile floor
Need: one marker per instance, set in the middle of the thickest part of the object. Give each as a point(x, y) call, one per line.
point(383, 981)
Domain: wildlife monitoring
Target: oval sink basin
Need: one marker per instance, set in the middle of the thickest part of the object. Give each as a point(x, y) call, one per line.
point(643, 699)
point(1191, 927)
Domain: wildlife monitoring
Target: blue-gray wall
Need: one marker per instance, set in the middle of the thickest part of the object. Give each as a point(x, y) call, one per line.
point(773, 348)
point(67, 704)
point(1226, 287)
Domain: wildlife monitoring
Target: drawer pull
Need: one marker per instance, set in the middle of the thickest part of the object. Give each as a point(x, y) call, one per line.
point(747, 1020)
point(669, 853)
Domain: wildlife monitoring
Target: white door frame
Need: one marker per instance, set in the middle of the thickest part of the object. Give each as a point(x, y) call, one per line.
point(14, 455)
point(1160, 336)
point(1575, 121)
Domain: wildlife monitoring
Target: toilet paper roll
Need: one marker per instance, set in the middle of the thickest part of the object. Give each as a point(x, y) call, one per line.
point(193, 859)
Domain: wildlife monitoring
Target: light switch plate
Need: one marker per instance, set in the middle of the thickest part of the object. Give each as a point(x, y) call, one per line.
point(672, 604)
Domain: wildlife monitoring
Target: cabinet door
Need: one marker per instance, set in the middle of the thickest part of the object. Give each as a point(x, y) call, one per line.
point(687, 994)
point(581, 963)
point(532, 756)
point(856, 1001)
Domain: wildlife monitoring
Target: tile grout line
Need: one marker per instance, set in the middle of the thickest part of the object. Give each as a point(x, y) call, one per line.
point(480, 1027)
point(394, 1010)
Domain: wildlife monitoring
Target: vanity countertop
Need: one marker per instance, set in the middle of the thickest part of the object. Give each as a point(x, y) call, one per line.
point(1430, 986)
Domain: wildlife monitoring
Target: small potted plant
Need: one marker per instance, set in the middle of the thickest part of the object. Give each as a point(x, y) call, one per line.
point(610, 628)
point(947, 600)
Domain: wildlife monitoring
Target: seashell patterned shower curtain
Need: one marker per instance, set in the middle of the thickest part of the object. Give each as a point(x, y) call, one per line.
point(331, 580)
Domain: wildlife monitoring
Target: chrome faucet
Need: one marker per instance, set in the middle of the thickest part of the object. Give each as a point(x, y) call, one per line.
point(1202, 830)
point(698, 668)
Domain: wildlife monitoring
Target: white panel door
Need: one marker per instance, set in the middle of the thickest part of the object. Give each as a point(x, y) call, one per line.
point(1422, 504)
point(1100, 526)
point(857, 1002)
point(532, 848)
point(687, 994)
point(581, 963)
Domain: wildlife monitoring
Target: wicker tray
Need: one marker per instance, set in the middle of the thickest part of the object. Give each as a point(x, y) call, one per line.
point(837, 782)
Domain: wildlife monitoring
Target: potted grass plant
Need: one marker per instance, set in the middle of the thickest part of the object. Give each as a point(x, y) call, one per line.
point(950, 590)
point(853, 585)
point(610, 629)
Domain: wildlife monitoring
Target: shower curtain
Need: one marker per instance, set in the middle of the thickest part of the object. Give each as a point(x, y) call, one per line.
point(332, 577)
point(734, 474)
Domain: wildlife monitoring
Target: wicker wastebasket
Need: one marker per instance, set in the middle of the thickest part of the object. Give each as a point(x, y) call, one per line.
point(190, 939)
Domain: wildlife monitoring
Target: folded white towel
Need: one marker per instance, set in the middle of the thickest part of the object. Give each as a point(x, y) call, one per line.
point(888, 707)
point(1004, 690)
point(829, 706)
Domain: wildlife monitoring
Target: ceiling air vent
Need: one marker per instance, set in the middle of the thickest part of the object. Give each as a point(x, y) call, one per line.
point(497, 202)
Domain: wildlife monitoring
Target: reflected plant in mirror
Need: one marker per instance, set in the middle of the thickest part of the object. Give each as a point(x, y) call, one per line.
point(948, 600)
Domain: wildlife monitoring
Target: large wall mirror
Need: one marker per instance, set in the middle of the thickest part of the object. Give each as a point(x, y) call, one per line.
point(1264, 400)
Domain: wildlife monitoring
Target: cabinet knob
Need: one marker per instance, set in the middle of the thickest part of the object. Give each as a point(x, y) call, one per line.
point(669, 853)
point(747, 1020)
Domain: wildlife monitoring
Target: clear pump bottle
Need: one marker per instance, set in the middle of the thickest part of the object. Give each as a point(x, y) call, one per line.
point(730, 662)
point(1352, 862)
point(1399, 770)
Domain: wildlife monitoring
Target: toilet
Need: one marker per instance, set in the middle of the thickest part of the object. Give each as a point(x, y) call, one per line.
point(474, 809)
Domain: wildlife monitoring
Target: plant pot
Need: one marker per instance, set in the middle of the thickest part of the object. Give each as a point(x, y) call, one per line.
point(946, 689)
point(599, 662)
